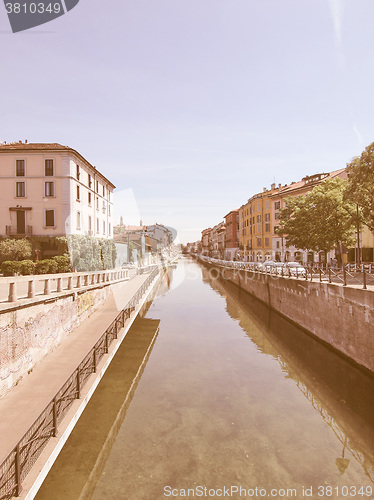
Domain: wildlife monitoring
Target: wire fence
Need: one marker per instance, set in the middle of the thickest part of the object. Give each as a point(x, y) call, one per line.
point(21, 459)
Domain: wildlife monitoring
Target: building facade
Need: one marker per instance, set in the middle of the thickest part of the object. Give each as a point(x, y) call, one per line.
point(52, 190)
point(232, 235)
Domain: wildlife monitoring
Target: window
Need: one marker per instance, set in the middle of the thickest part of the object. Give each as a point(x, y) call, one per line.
point(259, 218)
point(89, 181)
point(20, 168)
point(104, 191)
point(89, 224)
point(276, 229)
point(109, 210)
point(267, 242)
point(78, 193)
point(78, 172)
point(258, 242)
point(267, 217)
point(97, 186)
point(109, 229)
point(278, 245)
point(277, 205)
point(103, 227)
point(89, 199)
point(97, 226)
point(267, 228)
point(20, 189)
point(276, 216)
point(258, 205)
point(97, 203)
point(78, 220)
point(49, 189)
point(49, 218)
point(48, 168)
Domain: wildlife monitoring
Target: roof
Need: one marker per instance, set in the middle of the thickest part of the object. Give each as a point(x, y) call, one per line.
point(310, 180)
point(53, 146)
point(232, 212)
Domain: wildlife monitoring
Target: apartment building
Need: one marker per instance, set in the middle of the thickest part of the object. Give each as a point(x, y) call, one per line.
point(280, 250)
point(206, 241)
point(52, 190)
point(256, 226)
point(232, 234)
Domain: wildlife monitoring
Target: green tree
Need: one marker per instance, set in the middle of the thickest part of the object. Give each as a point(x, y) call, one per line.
point(360, 185)
point(14, 249)
point(319, 220)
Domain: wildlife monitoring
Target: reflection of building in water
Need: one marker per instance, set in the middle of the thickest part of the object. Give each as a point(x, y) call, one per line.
point(338, 390)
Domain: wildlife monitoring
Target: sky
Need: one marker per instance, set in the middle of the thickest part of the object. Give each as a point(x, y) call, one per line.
point(193, 106)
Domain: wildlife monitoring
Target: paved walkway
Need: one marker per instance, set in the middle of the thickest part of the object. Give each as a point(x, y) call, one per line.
point(20, 407)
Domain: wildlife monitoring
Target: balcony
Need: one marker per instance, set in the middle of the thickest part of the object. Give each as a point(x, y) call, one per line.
point(18, 231)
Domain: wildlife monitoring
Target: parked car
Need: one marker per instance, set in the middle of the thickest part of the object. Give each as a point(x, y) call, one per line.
point(279, 268)
point(269, 265)
point(295, 269)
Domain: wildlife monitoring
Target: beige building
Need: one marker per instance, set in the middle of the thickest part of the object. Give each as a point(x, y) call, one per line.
point(51, 190)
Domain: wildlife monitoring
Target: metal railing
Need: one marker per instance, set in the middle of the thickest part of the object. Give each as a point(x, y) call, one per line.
point(23, 456)
point(16, 230)
point(363, 275)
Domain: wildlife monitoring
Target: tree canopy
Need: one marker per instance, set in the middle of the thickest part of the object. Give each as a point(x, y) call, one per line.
point(360, 185)
point(320, 219)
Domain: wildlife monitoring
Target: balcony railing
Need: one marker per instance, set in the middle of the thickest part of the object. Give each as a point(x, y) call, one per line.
point(16, 231)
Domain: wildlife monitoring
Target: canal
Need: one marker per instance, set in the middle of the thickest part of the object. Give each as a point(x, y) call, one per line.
point(212, 389)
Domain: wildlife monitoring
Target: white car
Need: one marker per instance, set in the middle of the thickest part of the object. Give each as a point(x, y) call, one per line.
point(295, 269)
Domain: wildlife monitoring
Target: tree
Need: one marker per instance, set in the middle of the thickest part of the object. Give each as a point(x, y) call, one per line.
point(319, 220)
point(12, 249)
point(360, 185)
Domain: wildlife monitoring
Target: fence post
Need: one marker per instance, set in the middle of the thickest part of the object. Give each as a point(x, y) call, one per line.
point(54, 417)
point(12, 297)
point(47, 287)
point(94, 359)
point(70, 283)
point(59, 284)
point(344, 276)
point(364, 273)
point(329, 275)
point(17, 465)
point(78, 384)
point(31, 289)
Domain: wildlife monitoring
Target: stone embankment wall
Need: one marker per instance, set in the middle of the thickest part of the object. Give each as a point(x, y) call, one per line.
point(343, 317)
point(28, 333)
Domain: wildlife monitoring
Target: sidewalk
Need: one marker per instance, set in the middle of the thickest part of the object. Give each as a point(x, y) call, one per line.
point(20, 407)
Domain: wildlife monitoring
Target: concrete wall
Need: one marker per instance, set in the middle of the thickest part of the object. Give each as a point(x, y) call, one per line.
point(340, 316)
point(28, 333)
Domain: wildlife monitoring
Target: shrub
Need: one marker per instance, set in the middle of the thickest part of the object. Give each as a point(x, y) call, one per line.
point(63, 263)
point(27, 267)
point(15, 249)
point(46, 266)
point(10, 267)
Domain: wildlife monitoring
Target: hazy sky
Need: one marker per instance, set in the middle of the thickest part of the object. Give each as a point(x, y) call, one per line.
point(195, 105)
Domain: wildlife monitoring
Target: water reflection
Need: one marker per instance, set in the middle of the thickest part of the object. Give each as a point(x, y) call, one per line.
point(339, 391)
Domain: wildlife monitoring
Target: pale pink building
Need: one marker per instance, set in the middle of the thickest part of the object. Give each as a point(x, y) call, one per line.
point(52, 190)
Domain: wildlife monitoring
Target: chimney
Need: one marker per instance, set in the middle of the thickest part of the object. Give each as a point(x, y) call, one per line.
point(279, 185)
point(264, 190)
point(25, 141)
point(273, 186)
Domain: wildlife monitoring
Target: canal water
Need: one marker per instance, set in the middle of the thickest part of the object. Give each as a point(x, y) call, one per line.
point(211, 389)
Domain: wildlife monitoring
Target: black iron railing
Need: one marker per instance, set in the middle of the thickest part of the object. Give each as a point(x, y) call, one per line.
point(347, 276)
point(20, 460)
